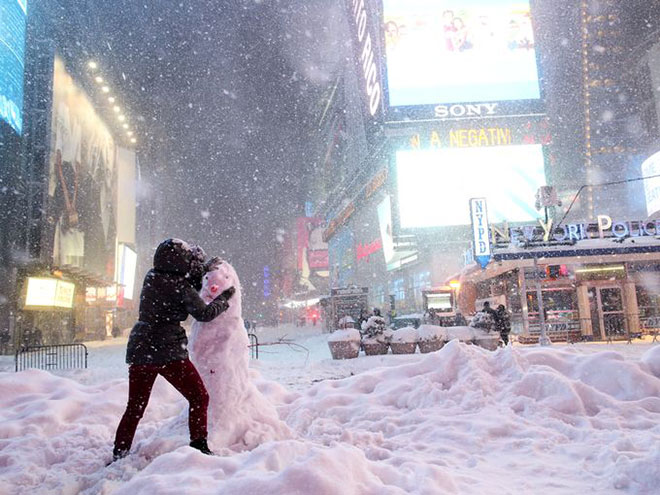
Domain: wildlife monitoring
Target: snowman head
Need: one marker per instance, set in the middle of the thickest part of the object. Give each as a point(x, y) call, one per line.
point(217, 281)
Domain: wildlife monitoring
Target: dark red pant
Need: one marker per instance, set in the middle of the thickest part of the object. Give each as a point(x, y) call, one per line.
point(183, 376)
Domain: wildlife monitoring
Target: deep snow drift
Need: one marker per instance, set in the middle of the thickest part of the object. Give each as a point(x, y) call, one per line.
point(461, 420)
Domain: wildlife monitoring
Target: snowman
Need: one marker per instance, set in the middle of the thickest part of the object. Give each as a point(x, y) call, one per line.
point(239, 416)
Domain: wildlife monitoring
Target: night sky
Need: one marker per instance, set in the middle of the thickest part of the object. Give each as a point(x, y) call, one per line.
point(226, 93)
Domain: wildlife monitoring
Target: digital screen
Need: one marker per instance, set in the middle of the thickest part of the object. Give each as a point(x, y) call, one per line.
point(435, 186)
point(441, 302)
point(127, 275)
point(12, 51)
point(459, 51)
point(49, 292)
point(651, 168)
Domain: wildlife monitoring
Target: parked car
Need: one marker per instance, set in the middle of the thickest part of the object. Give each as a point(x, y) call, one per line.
point(403, 321)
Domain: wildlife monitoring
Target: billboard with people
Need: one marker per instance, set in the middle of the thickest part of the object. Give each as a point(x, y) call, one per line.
point(312, 253)
point(83, 180)
point(12, 53)
point(446, 57)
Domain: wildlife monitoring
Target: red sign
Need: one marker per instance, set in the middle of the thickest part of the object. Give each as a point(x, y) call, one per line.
point(318, 259)
point(366, 250)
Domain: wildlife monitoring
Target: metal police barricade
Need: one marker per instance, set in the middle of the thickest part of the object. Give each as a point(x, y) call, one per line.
point(51, 357)
point(254, 346)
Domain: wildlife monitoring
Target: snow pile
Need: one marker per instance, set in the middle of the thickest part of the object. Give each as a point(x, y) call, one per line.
point(432, 332)
point(460, 420)
point(406, 335)
point(652, 359)
point(462, 333)
point(240, 417)
point(347, 335)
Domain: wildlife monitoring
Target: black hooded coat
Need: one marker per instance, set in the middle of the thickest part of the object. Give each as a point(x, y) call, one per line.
point(169, 294)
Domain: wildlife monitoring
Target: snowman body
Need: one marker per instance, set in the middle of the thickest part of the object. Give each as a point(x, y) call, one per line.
point(240, 417)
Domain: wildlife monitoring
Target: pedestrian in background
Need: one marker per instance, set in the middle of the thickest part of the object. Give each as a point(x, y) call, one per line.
point(503, 323)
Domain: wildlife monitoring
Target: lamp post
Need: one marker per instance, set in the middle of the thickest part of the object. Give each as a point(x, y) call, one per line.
point(543, 338)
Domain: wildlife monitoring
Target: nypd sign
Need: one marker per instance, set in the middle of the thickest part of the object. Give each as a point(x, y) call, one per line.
point(480, 231)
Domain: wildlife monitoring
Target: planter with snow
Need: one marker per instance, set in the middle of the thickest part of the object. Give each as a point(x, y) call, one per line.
point(375, 336)
point(344, 344)
point(486, 340)
point(374, 346)
point(404, 341)
point(464, 334)
point(431, 338)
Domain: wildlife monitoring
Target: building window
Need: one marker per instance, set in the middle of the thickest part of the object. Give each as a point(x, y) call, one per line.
point(559, 304)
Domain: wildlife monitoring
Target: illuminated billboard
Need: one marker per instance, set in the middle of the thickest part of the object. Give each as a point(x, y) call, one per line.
point(435, 185)
point(651, 168)
point(49, 293)
point(312, 257)
point(82, 188)
point(12, 53)
point(460, 58)
point(127, 268)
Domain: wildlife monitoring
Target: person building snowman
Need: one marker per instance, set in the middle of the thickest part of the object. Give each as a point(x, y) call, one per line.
point(158, 344)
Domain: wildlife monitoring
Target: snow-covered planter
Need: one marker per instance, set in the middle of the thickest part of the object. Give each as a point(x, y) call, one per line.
point(462, 333)
point(375, 336)
point(431, 338)
point(404, 341)
point(485, 339)
point(374, 347)
point(344, 344)
point(483, 320)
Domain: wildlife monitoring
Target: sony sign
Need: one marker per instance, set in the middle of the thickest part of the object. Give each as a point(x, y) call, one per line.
point(480, 230)
point(367, 55)
point(468, 110)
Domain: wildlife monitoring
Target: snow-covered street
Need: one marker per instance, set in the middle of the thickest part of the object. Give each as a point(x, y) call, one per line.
point(566, 419)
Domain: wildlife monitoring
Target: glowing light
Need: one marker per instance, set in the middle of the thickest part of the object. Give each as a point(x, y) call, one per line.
point(111, 99)
point(105, 89)
point(133, 140)
point(129, 133)
point(125, 126)
point(92, 65)
point(613, 268)
point(121, 117)
point(116, 109)
point(98, 79)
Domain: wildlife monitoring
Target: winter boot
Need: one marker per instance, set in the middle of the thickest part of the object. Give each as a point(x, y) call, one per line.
point(117, 454)
point(201, 445)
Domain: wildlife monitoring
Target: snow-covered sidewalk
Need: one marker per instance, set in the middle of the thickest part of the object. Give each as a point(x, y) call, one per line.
point(567, 419)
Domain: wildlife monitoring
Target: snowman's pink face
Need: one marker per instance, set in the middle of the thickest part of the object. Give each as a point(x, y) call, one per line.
point(218, 280)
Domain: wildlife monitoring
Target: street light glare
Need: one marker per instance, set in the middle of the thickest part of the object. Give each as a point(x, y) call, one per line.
point(98, 79)
point(116, 108)
point(92, 65)
point(105, 89)
point(121, 118)
point(111, 99)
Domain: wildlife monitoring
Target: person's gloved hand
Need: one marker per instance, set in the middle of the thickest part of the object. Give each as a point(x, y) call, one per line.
point(212, 264)
point(227, 293)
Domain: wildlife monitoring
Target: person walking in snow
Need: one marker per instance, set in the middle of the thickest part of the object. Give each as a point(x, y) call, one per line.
point(503, 323)
point(158, 344)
